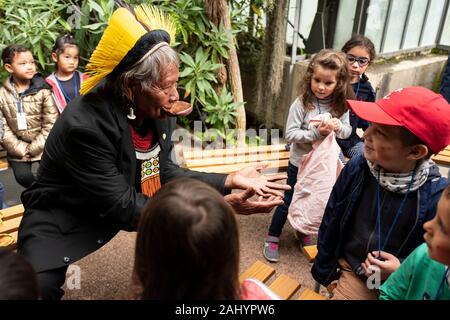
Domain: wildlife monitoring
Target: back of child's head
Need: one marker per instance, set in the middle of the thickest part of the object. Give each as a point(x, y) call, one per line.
point(187, 244)
point(358, 40)
point(10, 52)
point(18, 280)
point(422, 115)
point(62, 42)
point(330, 60)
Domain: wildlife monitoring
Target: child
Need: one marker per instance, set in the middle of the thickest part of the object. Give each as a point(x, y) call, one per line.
point(381, 199)
point(360, 53)
point(187, 247)
point(425, 275)
point(324, 89)
point(66, 80)
point(18, 280)
point(28, 110)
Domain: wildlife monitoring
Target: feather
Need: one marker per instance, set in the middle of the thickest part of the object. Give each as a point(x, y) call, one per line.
point(155, 19)
point(120, 36)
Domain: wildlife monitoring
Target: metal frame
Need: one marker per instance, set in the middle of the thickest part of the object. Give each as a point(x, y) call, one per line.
point(386, 25)
point(424, 21)
point(442, 23)
point(408, 14)
point(360, 21)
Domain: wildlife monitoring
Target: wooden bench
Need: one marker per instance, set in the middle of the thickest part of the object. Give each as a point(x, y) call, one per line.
point(233, 159)
point(9, 225)
point(443, 157)
point(283, 286)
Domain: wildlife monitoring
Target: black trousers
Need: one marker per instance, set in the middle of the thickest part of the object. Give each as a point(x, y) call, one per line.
point(22, 172)
point(50, 283)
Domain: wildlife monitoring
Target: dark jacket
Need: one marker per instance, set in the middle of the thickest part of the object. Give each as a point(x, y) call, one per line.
point(363, 92)
point(84, 193)
point(341, 206)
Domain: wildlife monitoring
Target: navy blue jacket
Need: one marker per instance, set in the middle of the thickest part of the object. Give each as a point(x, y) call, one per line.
point(341, 206)
point(363, 92)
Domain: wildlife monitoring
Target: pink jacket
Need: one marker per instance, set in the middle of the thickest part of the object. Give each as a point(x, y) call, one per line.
point(317, 173)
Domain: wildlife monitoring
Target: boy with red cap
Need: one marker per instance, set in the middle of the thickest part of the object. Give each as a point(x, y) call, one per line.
point(377, 208)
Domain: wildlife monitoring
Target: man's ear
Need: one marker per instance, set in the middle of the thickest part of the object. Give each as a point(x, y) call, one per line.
point(9, 68)
point(54, 57)
point(418, 152)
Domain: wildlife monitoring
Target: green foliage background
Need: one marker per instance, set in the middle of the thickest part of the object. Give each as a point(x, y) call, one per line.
point(37, 23)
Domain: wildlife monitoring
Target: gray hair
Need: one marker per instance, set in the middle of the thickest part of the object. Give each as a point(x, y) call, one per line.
point(147, 73)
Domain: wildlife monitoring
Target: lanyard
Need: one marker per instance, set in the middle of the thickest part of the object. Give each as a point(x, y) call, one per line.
point(357, 88)
point(17, 96)
point(441, 285)
point(75, 87)
point(318, 105)
point(397, 215)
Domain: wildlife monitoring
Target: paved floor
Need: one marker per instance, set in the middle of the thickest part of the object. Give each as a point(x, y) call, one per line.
point(106, 274)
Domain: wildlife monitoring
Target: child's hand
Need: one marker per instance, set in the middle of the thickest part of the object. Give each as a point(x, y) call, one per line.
point(387, 263)
point(336, 124)
point(325, 129)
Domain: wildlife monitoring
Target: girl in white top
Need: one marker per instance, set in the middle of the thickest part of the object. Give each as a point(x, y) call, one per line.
point(323, 92)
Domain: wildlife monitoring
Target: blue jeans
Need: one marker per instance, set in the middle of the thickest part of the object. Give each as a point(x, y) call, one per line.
point(281, 212)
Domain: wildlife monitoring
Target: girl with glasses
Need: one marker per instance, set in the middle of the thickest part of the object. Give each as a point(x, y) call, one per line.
point(360, 53)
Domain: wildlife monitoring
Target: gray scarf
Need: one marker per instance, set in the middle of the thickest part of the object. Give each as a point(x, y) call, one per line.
point(399, 182)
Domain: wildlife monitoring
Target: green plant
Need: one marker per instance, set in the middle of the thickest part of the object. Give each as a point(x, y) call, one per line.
point(222, 114)
point(218, 42)
point(35, 26)
point(190, 19)
point(196, 75)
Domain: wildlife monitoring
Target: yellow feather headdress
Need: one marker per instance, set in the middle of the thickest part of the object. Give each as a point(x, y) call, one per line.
point(123, 32)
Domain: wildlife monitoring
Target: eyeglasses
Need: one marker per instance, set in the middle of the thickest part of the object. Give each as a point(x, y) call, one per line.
point(362, 61)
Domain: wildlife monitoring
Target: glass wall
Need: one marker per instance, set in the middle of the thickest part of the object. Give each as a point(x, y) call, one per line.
point(392, 25)
point(307, 13)
point(345, 21)
point(445, 37)
point(394, 28)
point(376, 17)
point(432, 23)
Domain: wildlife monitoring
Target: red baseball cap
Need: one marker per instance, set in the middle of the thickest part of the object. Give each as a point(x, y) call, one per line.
point(425, 113)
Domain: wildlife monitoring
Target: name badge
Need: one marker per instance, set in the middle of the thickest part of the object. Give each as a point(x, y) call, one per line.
point(21, 121)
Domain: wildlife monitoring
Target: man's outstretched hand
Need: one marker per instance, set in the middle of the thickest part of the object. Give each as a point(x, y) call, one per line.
point(251, 177)
point(242, 204)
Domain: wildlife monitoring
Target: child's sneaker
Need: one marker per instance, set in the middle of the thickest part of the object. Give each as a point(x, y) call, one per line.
point(307, 240)
point(271, 248)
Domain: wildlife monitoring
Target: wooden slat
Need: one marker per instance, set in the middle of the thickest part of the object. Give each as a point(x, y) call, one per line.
point(11, 225)
point(310, 252)
point(443, 157)
point(284, 286)
point(259, 271)
point(232, 159)
point(192, 154)
point(12, 212)
point(230, 168)
point(3, 164)
point(308, 294)
point(14, 244)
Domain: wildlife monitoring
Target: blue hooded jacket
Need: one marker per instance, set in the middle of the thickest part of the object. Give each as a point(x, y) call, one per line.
point(342, 205)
